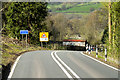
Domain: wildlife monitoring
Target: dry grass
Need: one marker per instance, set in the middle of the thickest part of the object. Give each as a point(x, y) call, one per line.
point(11, 50)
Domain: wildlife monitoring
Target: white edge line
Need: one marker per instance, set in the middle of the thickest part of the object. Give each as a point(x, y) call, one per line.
point(100, 62)
point(67, 67)
point(68, 75)
point(13, 68)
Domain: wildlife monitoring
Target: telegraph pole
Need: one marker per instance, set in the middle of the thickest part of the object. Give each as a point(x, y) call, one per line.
point(109, 23)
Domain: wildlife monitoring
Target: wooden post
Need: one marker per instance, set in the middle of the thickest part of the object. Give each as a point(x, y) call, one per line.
point(109, 23)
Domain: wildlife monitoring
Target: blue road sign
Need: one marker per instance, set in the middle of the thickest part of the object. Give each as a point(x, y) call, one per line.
point(23, 31)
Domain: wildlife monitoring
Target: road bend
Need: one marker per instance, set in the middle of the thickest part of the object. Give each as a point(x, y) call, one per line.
point(37, 64)
point(86, 67)
point(60, 64)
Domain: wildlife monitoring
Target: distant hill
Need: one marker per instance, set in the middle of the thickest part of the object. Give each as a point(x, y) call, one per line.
point(76, 7)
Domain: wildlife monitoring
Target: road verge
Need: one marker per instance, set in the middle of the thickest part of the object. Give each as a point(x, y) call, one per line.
point(100, 61)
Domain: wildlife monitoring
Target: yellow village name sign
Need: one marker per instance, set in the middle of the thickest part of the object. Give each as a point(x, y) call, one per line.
point(44, 36)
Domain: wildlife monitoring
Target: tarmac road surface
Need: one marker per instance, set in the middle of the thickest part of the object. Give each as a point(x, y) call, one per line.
point(61, 65)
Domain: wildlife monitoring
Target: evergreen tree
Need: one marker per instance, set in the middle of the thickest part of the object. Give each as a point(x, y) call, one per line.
point(25, 16)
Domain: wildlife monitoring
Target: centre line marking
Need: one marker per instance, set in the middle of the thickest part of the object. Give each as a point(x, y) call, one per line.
point(68, 75)
point(62, 63)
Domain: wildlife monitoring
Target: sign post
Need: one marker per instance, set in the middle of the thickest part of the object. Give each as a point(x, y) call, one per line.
point(22, 40)
point(24, 32)
point(43, 37)
point(26, 40)
point(41, 45)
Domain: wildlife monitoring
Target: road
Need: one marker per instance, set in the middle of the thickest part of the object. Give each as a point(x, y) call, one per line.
point(61, 64)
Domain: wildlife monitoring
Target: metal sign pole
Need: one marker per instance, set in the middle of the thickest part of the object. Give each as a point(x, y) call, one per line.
point(22, 40)
point(41, 45)
point(26, 41)
point(24, 32)
point(46, 44)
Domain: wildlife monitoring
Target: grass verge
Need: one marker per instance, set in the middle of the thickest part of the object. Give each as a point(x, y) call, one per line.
point(10, 50)
point(102, 58)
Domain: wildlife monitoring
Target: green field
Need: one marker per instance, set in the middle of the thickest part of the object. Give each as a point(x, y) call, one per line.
point(84, 8)
point(78, 13)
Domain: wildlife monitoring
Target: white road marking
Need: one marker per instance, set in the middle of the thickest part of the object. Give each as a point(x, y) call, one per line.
point(76, 76)
point(68, 75)
point(13, 68)
point(100, 62)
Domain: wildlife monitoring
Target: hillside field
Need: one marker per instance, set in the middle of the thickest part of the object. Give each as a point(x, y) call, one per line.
point(76, 8)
